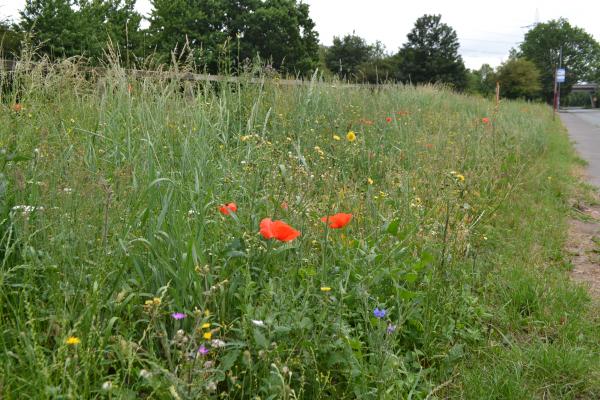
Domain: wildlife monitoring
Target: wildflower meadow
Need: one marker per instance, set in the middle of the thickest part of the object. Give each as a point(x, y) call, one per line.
point(166, 239)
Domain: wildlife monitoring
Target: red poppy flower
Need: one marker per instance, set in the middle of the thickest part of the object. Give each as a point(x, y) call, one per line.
point(388, 119)
point(485, 120)
point(225, 209)
point(338, 220)
point(279, 230)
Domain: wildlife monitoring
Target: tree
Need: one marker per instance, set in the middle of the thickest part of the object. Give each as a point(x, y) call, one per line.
point(580, 53)
point(198, 24)
point(380, 68)
point(54, 26)
point(229, 31)
point(282, 32)
point(347, 54)
point(65, 28)
point(482, 81)
point(519, 78)
point(431, 54)
point(10, 39)
point(114, 20)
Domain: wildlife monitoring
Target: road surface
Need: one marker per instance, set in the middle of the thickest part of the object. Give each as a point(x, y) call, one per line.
point(584, 129)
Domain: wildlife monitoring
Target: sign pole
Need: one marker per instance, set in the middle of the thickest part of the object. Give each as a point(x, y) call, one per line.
point(554, 102)
point(560, 80)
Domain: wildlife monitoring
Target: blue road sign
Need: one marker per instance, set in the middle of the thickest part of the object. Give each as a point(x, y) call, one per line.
point(560, 75)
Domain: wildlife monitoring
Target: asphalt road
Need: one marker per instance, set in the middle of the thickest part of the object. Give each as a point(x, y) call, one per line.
point(584, 129)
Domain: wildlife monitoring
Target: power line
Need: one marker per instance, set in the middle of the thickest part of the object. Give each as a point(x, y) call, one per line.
point(472, 51)
point(498, 33)
point(487, 40)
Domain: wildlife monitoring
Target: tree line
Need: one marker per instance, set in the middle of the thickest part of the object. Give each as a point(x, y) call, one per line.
point(529, 72)
point(227, 36)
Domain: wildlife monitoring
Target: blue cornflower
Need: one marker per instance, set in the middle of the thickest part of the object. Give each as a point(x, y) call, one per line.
point(379, 313)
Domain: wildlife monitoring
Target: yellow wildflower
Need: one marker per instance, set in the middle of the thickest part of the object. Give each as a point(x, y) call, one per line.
point(325, 289)
point(460, 177)
point(205, 325)
point(370, 181)
point(336, 137)
point(351, 136)
point(72, 340)
point(207, 335)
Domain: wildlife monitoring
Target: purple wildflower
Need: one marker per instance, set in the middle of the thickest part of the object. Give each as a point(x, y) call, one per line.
point(178, 315)
point(202, 350)
point(391, 329)
point(379, 313)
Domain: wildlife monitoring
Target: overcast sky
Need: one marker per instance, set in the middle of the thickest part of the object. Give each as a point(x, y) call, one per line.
point(486, 29)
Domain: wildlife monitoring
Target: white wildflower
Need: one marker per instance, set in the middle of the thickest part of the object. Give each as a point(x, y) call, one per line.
point(144, 373)
point(26, 210)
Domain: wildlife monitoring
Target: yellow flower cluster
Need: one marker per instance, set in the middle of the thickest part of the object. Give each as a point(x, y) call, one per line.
point(458, 176)
point(73, 340)
point(152, 303)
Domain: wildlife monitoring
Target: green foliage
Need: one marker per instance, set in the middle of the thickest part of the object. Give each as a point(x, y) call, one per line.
point(190, 29)
point(219, 34)
point(543, 328)
point(66, 28)
point(55, 26)
point(482, 81)
point(431, 54)
point(519, 79)
point(346, 55)
point(456, 233)
point(577, 99)
point(10, 39)
point(580, 53)
point(382, 70)
point(351, 58)
point(282, 32)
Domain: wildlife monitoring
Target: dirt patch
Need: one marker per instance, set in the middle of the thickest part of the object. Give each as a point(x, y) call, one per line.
point(583, 244)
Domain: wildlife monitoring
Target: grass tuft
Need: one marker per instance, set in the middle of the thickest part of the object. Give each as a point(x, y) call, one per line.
point(121, 277)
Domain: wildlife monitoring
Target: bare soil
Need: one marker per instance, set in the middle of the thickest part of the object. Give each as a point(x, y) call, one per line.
point(583, 244)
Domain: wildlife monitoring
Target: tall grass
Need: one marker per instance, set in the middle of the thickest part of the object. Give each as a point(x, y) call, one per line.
point(456, 232)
